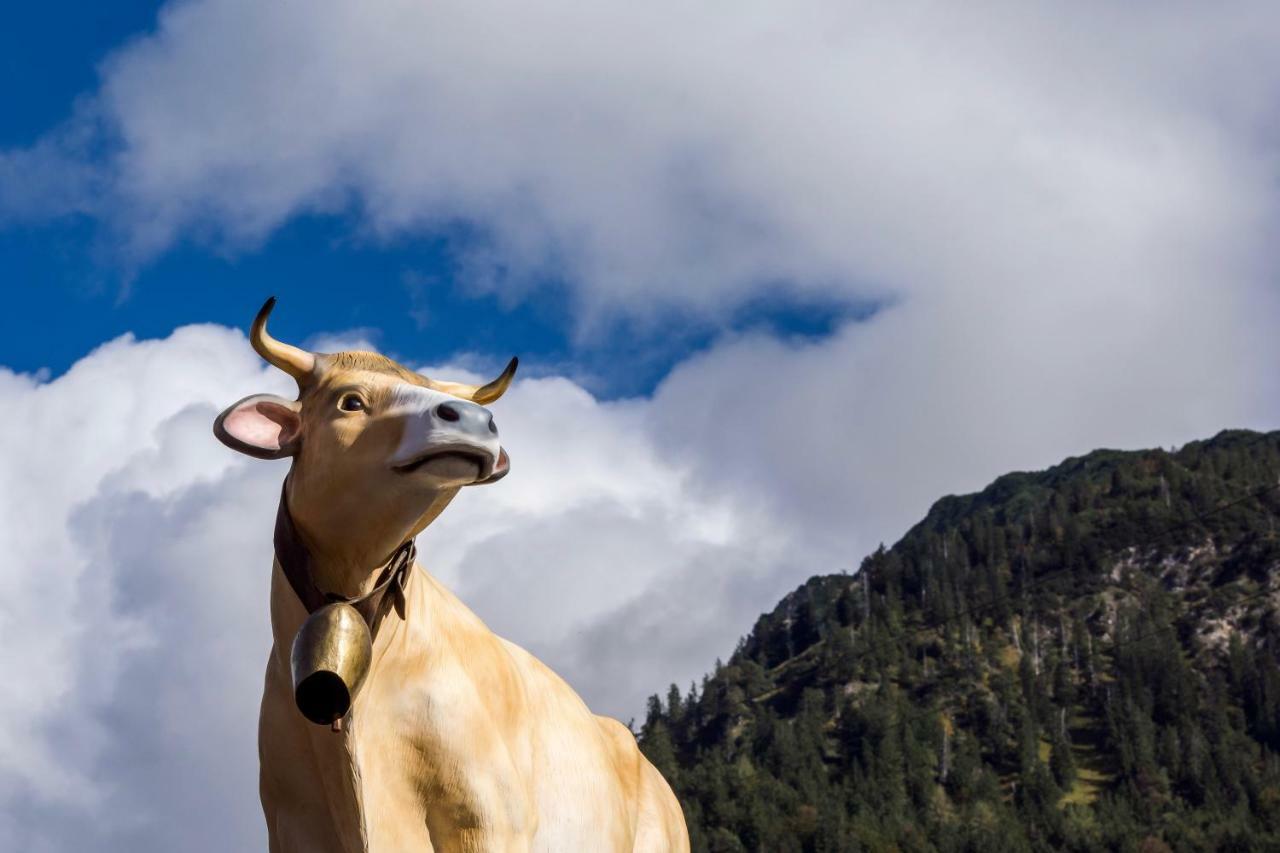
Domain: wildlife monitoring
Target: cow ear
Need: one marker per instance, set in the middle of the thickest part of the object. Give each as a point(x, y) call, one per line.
point(263, 425)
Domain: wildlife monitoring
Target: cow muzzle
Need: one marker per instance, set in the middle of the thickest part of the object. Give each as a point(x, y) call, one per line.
point(445, 430)
point(330, 661)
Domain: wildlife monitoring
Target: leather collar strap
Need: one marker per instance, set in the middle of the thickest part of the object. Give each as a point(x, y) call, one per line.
point(295, 560)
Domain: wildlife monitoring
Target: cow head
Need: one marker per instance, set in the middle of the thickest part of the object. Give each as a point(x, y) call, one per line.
point(378, 450)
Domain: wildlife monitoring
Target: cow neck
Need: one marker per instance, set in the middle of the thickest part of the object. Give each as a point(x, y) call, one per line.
point(298, 565)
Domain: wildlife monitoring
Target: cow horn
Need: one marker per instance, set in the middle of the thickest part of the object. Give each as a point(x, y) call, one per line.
point(486, 394)
point(298, 363)
point(482, 394)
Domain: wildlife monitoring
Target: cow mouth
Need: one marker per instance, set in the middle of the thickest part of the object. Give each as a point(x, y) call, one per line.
point(482, 460)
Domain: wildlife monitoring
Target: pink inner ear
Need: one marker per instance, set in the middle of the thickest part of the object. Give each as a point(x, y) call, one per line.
point(252, 426)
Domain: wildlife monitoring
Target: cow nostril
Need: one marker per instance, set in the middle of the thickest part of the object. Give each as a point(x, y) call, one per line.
point(493, 428)
point(447, 412)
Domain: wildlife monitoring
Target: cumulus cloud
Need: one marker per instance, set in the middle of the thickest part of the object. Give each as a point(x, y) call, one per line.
point(693, 155)
point(632, 545)
point(120, 427)
point(1036, 195)
point(138, 554)
point(1063, 212)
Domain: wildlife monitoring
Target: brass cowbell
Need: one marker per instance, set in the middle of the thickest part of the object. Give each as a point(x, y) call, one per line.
point(330, 660)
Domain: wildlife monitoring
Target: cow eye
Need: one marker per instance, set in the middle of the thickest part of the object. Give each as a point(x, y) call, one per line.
point(351, 403)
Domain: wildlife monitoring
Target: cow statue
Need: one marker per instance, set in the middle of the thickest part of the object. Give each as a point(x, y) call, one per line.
point(392, 718)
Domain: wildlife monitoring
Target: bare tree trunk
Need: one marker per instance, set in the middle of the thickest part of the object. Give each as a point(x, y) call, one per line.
point(1093, 678)
point(866, 599)
point(945, 763)
point(1035, 645)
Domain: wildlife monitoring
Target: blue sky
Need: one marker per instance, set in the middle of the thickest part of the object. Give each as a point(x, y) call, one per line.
point(403, 296)
point(50, 55)
point(402, 293)
point(778, 279)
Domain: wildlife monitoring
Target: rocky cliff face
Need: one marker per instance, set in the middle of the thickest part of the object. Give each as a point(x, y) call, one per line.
point(1080, 658)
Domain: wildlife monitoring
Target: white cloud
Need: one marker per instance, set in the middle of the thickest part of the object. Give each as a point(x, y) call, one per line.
point(1080, 195)
point(663, 153)
point(138, 559)
point(120, 426)
point(1065, 209)
point(632, 545)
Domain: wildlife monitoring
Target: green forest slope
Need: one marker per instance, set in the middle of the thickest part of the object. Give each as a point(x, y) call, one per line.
point(1082, 658)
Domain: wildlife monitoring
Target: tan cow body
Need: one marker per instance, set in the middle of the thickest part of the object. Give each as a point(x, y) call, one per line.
point(458, 740)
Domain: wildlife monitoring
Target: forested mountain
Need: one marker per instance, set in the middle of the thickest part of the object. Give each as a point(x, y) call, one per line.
point(1082, 658)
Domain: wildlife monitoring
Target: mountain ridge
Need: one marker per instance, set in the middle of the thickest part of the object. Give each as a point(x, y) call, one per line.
point(1077, 658)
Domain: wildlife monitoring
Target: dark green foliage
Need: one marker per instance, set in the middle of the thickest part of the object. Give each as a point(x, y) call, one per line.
point(1083, 658)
